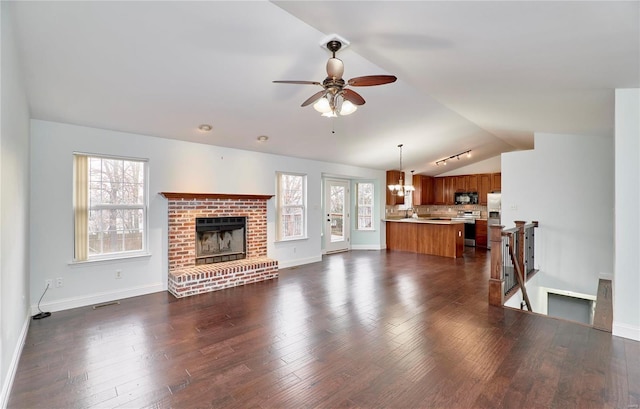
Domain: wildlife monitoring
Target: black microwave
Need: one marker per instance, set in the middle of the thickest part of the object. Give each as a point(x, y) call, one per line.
point(463, 198)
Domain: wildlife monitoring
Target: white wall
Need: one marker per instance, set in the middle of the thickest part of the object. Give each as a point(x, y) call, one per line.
point(174, 166)
point(565, 183)
point(14, 207)
point(626, 293)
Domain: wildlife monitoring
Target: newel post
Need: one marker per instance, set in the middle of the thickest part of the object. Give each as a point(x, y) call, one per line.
point(520, 249)
point(496, 282)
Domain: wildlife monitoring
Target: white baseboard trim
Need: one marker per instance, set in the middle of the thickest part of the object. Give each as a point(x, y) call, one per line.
point(626, 331)
point(298, 262)
point(366, 247)
point(13, 366)
point(98, 298)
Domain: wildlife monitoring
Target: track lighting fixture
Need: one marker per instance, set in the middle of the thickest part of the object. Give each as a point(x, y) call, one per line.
point(456, 156)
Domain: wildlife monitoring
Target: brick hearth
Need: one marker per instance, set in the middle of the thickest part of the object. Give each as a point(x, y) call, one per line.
point(185, 278)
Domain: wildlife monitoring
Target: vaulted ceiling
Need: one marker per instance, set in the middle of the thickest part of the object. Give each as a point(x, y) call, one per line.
point(471, 75)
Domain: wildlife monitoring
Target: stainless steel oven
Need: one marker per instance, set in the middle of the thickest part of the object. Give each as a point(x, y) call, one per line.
point(469, 219)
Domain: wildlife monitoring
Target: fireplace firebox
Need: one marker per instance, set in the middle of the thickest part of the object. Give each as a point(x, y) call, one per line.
point(220, 239)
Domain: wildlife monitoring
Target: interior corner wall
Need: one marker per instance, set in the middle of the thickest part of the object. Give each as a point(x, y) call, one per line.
point(565, 183)
point(626, 281)
point(14, 206)
point(174, 166)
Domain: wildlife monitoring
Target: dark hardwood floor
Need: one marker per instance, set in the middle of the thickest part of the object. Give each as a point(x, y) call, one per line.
point(364, 329)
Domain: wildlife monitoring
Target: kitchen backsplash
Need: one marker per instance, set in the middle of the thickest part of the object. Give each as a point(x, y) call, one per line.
point(435, 210)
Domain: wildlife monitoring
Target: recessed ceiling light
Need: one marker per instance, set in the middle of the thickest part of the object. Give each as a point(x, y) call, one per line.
point(262, 138)
point(205, 127)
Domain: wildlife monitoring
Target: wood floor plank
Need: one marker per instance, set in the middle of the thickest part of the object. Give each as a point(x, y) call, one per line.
point(362, 329)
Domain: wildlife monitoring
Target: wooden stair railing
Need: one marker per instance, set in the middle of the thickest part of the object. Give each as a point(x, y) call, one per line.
point(519, 275)
point(525, 248)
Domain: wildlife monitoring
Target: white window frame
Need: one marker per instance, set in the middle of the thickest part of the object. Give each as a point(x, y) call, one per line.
point(282, 206)
point(359, 205)
point(81, 225)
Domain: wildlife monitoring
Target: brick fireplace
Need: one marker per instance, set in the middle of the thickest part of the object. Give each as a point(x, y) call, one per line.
point(185, 277)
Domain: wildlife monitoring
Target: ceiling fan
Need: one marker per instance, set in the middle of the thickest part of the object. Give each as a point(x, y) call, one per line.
point(335, 99)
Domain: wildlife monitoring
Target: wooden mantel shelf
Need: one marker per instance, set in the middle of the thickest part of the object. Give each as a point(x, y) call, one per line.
point(203, 196)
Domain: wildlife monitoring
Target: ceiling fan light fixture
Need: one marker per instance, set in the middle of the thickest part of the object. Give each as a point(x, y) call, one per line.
point(348, 108)
point(322, 105)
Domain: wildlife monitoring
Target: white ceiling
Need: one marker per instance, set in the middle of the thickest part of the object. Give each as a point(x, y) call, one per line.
point(471, 75)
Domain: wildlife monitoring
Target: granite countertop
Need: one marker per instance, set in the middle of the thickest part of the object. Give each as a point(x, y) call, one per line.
point(426, 220)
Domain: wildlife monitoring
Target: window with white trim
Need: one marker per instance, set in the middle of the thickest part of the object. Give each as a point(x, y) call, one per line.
point(292, 212)
point(110, 207)
point(364, 200)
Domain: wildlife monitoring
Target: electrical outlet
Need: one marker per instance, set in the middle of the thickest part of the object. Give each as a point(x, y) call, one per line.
point(58, 282)
point(48, 283)
point(118, 274)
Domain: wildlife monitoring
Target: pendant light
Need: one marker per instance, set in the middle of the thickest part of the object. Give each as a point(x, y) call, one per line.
point(401, 189)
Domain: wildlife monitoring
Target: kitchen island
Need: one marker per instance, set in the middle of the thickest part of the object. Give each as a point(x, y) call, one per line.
point(435, 236)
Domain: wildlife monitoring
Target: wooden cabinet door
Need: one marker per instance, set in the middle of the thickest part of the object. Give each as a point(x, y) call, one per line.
point(423, 195)
point(484, 187)
point(439, 193)
point(472, 183)
point(460, 184)
point(449, 189)
point(496, 182)
point(393, 178)
point(427, 190)
point(417, 193)
point(481, 233)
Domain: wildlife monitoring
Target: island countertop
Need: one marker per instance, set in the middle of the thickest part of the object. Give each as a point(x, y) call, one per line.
point(427, 220)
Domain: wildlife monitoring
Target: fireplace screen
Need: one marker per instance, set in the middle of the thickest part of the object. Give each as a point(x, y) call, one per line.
point(220, 239)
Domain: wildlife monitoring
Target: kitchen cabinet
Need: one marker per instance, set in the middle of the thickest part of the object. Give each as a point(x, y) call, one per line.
point(459, 184)
point(393, 178)
point(496, 182)
point(472, 183)
point(481, 233)
point(449, 190)
point(439, 239)
point(443, 190)
point(438, 191)
point(484, 187)
point(444, 187)
point(424, 193)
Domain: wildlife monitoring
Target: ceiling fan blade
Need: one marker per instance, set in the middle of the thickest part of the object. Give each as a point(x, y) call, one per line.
point(352, 97)
point(370, 80)
point(313, 98)
point(298, 82)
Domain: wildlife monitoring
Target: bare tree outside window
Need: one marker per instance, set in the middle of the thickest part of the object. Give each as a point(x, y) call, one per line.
point(364, 192)
point(291, 205)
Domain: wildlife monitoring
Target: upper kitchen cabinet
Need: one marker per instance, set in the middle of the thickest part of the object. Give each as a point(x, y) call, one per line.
point(459, 184)
point(393, 178)
point(484, 187)
point(443, 189)
point(424, 193)
point(496, 182)
point(472, 183)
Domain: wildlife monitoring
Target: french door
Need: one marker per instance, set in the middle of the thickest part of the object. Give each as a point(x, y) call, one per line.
point(336, 211)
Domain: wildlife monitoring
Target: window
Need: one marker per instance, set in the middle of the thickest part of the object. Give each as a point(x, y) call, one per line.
point(291, 206)
point(110, 207)
point(364, 199)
